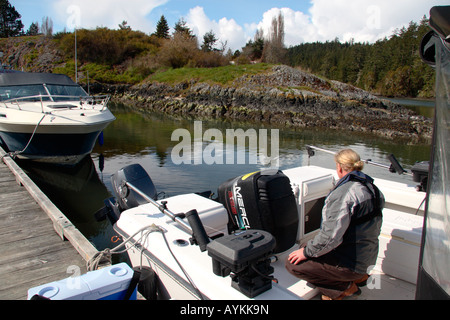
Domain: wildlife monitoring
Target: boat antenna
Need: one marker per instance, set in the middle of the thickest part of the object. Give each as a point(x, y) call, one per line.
point(76, 67)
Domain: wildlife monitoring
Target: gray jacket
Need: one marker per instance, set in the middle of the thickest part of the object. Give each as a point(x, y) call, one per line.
point(350, 228)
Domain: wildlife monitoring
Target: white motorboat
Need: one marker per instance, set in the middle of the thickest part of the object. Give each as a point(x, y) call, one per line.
point(48, 117)
point(235, 247)
point(160, 237)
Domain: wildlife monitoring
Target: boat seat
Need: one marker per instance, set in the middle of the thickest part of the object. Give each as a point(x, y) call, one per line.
point(399, 245)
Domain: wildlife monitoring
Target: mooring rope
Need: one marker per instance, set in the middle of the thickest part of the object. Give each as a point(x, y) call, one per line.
point(106, 255)
point(14, 154)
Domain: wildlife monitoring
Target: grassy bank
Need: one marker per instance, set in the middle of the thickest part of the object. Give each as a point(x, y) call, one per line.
point(219, 75)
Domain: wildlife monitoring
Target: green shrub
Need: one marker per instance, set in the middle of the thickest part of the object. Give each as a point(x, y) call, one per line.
point(178, 51)
point(102, 73)
point(106, 46)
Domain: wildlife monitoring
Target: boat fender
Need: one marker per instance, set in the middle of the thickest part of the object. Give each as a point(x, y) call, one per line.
point(101, 139)
point(39, 298)
point(133, 284)
point(148, 283)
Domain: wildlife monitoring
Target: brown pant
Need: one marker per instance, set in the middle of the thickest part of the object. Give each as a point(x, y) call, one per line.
point(332, 281)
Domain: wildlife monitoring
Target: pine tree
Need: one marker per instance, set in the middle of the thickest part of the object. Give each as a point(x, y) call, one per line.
point(209, 40)
point(162, 28)
point(182, 29)
point(258, 45)
point(34, 29)
point(10, 23)
point(124, 26)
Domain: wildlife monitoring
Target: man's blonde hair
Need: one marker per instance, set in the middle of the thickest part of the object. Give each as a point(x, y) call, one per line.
point(349, 160)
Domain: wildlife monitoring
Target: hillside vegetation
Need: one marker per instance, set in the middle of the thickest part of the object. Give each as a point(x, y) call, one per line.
point(390, 67)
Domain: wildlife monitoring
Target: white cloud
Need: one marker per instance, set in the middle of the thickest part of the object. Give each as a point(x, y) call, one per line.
point(363, 20)
point(360, 20)
point(297, 25)
point(226, 30)
point(105, 13)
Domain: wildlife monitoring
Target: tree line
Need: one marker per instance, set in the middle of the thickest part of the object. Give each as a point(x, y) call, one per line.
point(390, 67)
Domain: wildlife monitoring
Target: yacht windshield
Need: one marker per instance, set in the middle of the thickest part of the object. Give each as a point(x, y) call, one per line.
point(15, 92)
point(58, 92)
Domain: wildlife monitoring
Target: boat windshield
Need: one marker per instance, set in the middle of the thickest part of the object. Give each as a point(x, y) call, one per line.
point(14, 92)
point(34, 92)
point(64, 93)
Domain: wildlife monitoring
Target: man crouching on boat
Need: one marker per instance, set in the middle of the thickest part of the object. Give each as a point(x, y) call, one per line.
point(337, 260)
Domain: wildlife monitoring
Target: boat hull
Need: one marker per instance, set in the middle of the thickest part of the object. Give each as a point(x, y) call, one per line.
point(65, 137)
point(54, 148)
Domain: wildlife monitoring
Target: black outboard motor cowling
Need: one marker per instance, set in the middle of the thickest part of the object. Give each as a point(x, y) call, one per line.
point(138, 177)
point(263, 201)
point(246, 255)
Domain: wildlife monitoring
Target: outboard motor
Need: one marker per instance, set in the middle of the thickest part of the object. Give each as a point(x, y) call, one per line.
point(125, 198)
point(137, 176)
point(246, 255)
point(263, 201)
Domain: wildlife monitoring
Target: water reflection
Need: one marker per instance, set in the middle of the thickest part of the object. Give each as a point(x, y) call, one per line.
point(77, 191)
point(145, 138)
point(419, 106)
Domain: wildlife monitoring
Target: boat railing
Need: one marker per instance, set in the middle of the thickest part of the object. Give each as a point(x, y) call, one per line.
point(394, 167)
point(84, 101)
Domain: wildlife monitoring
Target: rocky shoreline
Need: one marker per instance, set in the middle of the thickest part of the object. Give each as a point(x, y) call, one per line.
point(283, 97)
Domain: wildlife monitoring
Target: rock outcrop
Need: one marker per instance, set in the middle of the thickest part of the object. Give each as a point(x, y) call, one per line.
point(32, 53)
point(286, 97)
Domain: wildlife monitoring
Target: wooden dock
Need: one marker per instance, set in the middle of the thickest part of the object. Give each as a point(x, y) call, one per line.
point(38, 244)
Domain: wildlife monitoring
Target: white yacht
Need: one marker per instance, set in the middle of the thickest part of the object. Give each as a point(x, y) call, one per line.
point(48, 117)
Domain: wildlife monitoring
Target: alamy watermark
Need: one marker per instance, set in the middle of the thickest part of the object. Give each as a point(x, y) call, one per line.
point(74, 281)
point(212, 146)
point(74, 19)
point(373, 21)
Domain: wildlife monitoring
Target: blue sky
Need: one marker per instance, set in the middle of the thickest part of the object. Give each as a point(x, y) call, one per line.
point(243, 11)
point(236, 21)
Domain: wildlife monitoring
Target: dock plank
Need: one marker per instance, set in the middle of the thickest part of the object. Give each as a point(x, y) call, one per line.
point(38, 244)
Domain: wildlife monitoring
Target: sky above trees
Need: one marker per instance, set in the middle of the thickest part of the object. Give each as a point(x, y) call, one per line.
point(236, 22)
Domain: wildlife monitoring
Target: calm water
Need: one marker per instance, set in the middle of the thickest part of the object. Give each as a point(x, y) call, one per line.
point(423, 107)
point(145, 138)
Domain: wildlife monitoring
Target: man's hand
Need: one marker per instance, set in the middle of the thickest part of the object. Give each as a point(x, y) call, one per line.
point(297, 256)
